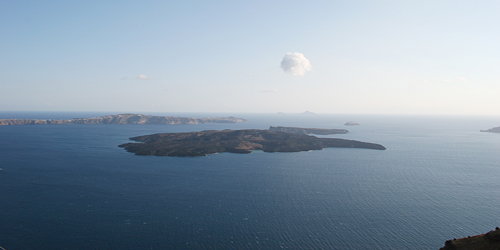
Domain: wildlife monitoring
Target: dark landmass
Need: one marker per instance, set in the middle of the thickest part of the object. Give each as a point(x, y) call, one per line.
point(487, 241)
point(308, 113)
point(234, 141)
point(492, 130)
point(351, 123)
point(305, 131)
point(124, 119)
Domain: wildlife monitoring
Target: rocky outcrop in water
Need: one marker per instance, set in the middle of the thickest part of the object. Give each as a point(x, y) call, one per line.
point(235, 141)
point(306, 131)
point(125, 119)
point(487, 241)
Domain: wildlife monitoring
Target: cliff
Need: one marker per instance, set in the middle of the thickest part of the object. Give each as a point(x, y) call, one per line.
point(305, 131)
point(125, 119)
point(487, 241)
point(234, 141)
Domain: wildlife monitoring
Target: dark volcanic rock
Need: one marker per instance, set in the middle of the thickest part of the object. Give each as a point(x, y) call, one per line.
point(305, 131)
point(125, 119)
point(487, 241)
point(492, 130)
point(234, 141)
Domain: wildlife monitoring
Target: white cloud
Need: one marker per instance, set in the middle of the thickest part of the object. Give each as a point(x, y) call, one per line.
point(143, 77)
point(295, 63)
point(268, 91)
point(446, 80)
point(462, 79)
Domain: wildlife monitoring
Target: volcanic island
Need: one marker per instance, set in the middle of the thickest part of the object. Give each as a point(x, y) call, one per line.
point(235, 141)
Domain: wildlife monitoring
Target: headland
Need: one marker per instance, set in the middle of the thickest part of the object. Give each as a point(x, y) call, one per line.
point(487, 241)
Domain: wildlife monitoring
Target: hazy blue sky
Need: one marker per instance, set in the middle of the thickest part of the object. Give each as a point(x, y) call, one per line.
point(381, 57)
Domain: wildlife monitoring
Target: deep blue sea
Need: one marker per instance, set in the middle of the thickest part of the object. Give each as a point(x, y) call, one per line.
point(72, 187)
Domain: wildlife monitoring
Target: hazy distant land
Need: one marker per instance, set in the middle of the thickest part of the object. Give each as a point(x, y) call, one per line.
point(234, 141)
point(492, 130)
point(351, 123)
point(307, 112)
point(305, 131)
point(125, 119)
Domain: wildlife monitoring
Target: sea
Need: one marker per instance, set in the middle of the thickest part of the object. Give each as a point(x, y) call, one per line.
point(71, 186)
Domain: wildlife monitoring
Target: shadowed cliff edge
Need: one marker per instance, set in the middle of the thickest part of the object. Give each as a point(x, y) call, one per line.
point(487, 241)
point(235, 141)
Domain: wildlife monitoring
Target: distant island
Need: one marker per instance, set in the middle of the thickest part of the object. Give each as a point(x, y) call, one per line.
point(351, 123)
point(487, 241)
point(235, 141)
point(125, 119)
point(303, 113)
point(305, 131)
point(492, 130)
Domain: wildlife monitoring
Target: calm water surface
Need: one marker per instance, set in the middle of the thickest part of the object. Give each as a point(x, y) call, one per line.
point(71, 187)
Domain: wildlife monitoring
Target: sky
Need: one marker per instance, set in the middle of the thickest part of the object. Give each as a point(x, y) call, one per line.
point(339, 57)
